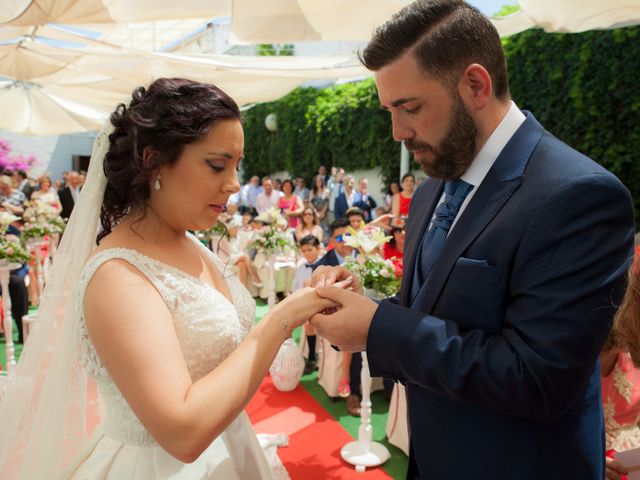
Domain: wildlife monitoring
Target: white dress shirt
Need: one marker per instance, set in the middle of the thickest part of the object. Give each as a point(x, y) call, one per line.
point(488, 155)
point(264, 202)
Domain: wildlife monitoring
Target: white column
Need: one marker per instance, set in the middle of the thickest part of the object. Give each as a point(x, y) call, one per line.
point(404, 161)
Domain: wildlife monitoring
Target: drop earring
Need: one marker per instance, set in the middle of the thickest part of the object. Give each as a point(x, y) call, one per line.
point(157, 184)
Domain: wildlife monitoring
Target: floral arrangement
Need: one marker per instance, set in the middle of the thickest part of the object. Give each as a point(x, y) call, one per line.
point(216, 231)
point(41, 219)
point(12, 250)
point(373, 271)
point(272, 238)
point(19, 162)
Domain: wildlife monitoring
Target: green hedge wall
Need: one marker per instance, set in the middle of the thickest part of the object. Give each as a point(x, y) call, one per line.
point(341, 125)
point(583, 88)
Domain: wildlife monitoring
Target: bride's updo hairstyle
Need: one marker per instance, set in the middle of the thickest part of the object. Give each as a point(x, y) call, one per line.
point(168, 115)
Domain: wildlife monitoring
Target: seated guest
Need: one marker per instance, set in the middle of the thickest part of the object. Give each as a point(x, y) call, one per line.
point(301, 190)
point(47, 193)
point(236, 250)
point(340, 365)
point(22, 183)
point(268, 198)
point(402, 199)
point(69, 193)
point(11, 199)
point(355, 217)
point(620, 360)
point(364, 201)
point(394, 187)
point(319, 200)
point(290, 204)
point(345, 200)
point(308, 225)
point(309, 247)
point(394, 249)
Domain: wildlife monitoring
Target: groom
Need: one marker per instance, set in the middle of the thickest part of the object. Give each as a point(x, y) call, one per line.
point(516, 252)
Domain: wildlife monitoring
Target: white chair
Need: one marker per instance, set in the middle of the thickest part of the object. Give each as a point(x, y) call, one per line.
point(28, 322)
point(330, 369)
point(397, 429)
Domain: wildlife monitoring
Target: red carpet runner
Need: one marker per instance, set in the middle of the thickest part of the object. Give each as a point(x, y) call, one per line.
point(315, 438)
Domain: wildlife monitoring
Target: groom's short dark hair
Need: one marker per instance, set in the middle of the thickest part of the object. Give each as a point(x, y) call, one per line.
point(446, 36)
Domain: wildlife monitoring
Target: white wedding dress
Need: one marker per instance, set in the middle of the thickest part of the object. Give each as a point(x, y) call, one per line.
point(209, 328)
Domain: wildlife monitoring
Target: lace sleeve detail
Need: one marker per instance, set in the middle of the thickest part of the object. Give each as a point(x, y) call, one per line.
point(86, 351)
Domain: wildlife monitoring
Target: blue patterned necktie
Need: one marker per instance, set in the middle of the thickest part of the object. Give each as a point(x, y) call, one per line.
point(433, 241)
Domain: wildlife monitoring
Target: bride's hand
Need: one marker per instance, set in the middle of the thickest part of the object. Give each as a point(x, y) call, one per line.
point(300, 306)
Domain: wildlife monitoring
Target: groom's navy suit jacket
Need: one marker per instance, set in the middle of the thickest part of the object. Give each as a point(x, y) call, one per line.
point(499, 350)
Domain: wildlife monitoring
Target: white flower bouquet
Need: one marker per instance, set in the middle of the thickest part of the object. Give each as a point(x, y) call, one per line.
point(373, 271)
point(272, 238)
point(41, 219)
point(12, 250)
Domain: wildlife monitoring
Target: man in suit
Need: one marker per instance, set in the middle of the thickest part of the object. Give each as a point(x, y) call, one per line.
point(22, 183)
point(345, 200)
point(363, 200)
point(69, 194)
point(516, 252)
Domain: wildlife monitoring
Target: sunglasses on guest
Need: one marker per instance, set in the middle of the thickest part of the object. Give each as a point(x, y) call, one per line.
point(340, 238)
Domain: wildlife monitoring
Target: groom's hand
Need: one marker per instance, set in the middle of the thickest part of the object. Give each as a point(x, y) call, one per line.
point(348, 326)
point(326, 276)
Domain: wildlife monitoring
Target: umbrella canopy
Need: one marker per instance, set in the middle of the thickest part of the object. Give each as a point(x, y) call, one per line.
point(41, 12)
point(26, 60)
point(570, 16)
point(32, 109)
point(277, 21)
point(75, 90)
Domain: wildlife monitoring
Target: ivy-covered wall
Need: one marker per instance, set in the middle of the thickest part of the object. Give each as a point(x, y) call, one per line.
point(341, 125)
point(583, 88)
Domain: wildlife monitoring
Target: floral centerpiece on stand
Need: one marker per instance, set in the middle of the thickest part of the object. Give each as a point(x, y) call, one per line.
point(273, 237)
point(377, 275)
point(41, 219)
point(12, 250)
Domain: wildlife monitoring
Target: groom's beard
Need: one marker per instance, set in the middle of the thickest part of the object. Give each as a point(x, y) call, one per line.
point(456, 152)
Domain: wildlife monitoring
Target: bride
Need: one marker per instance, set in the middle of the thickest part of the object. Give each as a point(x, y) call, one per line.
point(154, 318)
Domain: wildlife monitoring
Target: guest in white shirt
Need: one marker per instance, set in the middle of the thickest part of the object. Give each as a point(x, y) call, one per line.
point(301, 190)
point(249, 193)
point(269, 196)
point(69, 194)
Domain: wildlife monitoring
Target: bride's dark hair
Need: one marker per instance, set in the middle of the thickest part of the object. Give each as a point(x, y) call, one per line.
point(168, 115)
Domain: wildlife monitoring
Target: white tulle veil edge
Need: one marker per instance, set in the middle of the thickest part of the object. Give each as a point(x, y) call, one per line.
point(49, 402)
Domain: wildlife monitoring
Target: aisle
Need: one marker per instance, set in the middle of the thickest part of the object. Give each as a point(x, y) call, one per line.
point(315, 437)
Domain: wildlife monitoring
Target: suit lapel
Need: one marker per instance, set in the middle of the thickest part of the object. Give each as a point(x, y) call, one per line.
point(504, 177)
point(425, 198)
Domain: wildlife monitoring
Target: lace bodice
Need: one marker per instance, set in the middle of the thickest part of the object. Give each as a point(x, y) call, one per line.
point(208, 327)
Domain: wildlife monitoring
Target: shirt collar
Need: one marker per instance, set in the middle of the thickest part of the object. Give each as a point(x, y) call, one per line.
point(493, 146)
